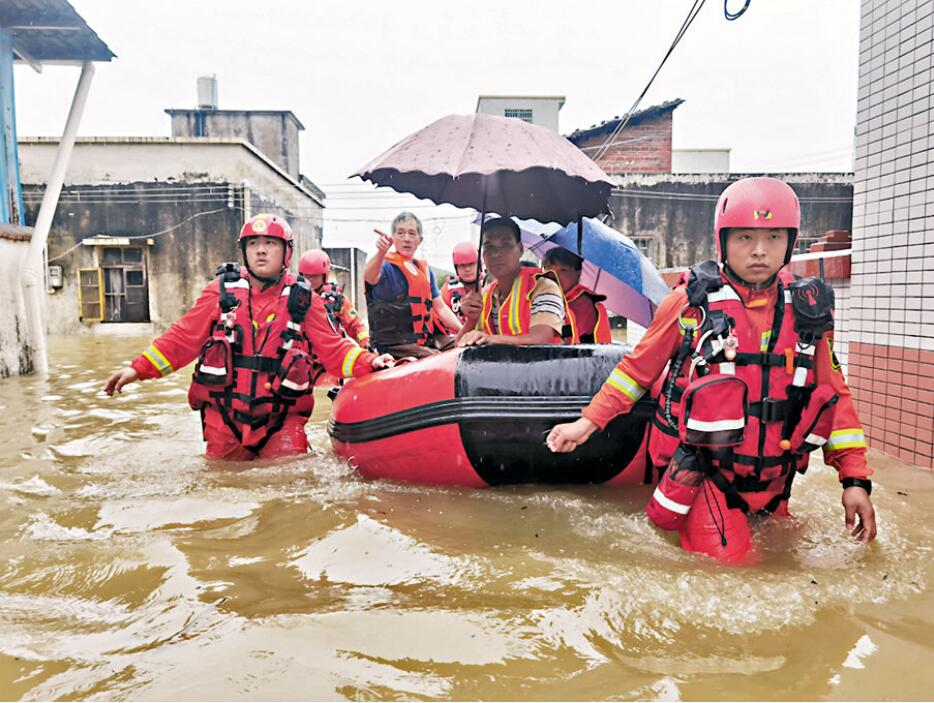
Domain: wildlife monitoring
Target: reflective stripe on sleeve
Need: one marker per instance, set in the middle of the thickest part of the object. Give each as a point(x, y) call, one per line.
point(157, 359)
point(361, 335)
point(625, 385)
point(349, 361)
point(669, 504)
point(845, 439)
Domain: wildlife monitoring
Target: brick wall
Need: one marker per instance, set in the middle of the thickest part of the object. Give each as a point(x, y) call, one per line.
point(640, 148)
point(891, 355)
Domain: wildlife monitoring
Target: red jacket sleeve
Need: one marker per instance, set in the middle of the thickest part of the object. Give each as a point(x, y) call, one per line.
point(846, 448)
point(182, 342)
point(337, 354)
point(353, 324)
point(637, 372)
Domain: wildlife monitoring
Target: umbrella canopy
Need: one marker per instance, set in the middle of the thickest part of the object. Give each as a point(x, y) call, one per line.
point(613, 265)
point(494, 164)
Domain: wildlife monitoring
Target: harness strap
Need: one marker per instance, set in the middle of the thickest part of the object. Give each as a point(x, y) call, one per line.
point(771, 410)
point(256, 363)
point(664, 427)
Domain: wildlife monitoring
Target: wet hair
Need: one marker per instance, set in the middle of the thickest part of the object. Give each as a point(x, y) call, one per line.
point(402, 217)
point(502, 223)
point(560, 255)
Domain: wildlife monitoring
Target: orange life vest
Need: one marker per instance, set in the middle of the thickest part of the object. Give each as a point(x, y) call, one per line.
point(407, 319)
point(572, 333)
point(515, 312)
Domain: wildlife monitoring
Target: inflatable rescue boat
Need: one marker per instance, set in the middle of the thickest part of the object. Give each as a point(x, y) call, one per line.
point(479, 416)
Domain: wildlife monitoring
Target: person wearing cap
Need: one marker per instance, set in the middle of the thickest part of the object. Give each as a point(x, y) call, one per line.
point(586, 320)
point(402, 295)
point(315, 265)
point(743, 316)
point(256, 332)
point(522, 306)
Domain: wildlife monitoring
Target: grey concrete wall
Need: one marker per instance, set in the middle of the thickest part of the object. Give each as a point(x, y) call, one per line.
point(352, 285)
point(15, 348)
point(676, 211)
point(273, 133)
point(305, 223)
point(179, 262)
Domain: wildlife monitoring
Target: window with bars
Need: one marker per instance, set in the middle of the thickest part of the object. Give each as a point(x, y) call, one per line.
point(126, 295)
point(519, 112)
point(644, 244)
point(118, 290)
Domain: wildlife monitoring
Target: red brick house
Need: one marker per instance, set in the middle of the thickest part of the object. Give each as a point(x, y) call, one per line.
point(643, 146)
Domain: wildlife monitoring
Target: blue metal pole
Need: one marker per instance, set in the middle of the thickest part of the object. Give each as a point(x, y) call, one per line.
point(11, 191)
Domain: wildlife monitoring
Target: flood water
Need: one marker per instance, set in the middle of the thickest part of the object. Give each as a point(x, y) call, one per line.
point(132, 568)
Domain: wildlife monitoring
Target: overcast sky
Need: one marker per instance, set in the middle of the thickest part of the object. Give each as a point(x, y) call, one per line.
point(777, 86)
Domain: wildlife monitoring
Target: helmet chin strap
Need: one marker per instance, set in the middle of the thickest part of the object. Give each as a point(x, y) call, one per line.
point(265, 280)
point(752, 286)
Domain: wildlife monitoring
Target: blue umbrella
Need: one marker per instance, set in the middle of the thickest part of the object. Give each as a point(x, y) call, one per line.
point(613, 265)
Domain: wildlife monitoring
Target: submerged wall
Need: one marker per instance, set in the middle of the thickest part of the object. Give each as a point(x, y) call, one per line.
point(16, 352)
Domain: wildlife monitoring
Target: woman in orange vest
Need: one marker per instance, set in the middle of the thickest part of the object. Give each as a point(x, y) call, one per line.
point(522, 306)
point(401, 295)
point(586, 321)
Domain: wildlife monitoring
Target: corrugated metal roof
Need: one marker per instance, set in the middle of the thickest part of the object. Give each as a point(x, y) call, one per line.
point(608, 126)
point(51, 30)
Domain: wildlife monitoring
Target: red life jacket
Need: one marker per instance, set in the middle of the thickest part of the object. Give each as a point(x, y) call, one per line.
point(406, 320)
point(453, 292)
point(572, 333)
point(769, 366)
point(333, 297)
point(515, 312)
point(255, 387)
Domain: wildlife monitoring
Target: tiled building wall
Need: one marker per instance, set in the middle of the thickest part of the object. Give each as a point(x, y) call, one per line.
point(891, 350)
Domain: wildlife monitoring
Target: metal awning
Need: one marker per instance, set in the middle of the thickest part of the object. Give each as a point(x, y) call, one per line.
point(50, 31)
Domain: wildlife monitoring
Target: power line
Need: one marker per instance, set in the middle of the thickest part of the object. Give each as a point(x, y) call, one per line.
point(145, 236)
point(692, 14)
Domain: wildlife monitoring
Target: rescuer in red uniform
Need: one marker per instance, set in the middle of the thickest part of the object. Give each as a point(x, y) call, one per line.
point(256, 331)
point(466, 279)
point(315, 265)
point(752, 387)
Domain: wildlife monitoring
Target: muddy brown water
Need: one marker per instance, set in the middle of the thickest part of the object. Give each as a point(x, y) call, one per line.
point(132, 568)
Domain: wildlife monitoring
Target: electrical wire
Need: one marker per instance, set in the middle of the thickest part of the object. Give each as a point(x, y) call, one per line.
point(685, 25)
point(145, 236)
point(734, 15)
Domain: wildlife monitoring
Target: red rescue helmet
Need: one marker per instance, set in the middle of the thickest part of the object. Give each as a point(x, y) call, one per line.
point(314, 263)
point(754, 203)
point(265, 225)
point(465, 253)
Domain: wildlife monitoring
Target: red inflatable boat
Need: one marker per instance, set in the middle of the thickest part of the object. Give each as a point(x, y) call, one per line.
point(479, 416)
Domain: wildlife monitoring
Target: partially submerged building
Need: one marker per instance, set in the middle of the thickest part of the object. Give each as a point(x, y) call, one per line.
point(33, 33)
point(144, 221)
